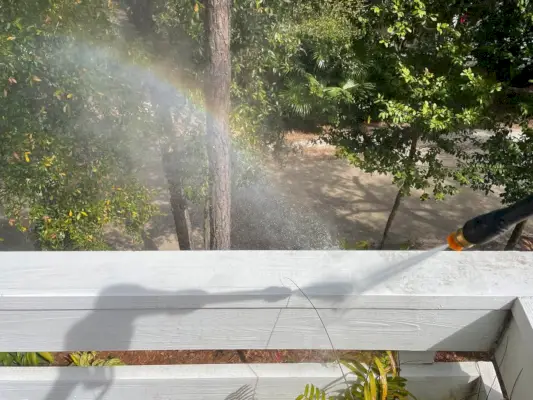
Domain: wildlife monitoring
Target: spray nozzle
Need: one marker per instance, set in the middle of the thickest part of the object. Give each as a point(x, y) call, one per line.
point(456, 241)
point(487, 227)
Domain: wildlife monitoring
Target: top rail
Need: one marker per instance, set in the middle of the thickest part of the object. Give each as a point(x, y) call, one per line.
point(265, 279)
point(368, 300)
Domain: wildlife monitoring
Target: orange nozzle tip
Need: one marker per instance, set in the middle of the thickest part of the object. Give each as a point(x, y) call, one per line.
point(453, 243)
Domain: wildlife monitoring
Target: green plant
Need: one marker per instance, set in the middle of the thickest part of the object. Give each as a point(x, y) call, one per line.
point(90, 359)
point(359, 245)
point(26, 359)
point(378, 381)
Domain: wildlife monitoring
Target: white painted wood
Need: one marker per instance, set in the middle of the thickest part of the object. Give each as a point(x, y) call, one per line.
point(416, 330)
point(214, 382)
point(514, 355)
point(523, 315)
point(416, 357)
point(239, 279)
point(489, 385)
point(235, 300)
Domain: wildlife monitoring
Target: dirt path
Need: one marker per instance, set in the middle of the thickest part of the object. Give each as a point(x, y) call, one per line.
point(321, 200)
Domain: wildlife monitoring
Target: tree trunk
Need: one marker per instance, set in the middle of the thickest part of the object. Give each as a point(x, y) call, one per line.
point(207, 225)
point(173, 175)
point(399, 195)
point(140, 15)
point(217, 100)
point(180, 212)
point(516, 235)
point(392, 214)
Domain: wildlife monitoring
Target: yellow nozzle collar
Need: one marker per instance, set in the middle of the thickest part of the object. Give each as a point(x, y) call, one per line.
point(457, 241)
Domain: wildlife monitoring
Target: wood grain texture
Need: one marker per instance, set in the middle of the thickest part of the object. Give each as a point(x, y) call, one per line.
point(262, 279)
point(416, 330)
point(215, 382)
point(247, 300)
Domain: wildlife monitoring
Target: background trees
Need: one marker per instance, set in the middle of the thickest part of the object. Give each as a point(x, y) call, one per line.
point(433, 101)
point(92, 90)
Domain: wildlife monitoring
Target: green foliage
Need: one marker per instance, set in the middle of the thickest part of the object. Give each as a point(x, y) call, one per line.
point(359, 245)
point(311, 392)
point(90, 359)
point(505, 50)
point(82, 95)
point(26, 359)
point(378, 381)
point(65, 166)
point(504, 161)
point(326, 80)
point(435, 101)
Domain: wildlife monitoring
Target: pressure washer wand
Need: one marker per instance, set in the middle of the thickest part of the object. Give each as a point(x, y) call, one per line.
point(486, 227)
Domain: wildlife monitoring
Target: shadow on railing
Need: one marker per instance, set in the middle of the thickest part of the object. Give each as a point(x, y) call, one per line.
point(116, 329)
point(245, 392)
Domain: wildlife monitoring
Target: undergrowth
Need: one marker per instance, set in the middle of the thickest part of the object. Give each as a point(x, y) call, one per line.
point(379, 380)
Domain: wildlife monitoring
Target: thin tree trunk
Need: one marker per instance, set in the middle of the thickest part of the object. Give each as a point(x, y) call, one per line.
point(516, 235)
point(217, 100)
point(392, 214)
point(178, 201)
point(207, 224)
point(140, 15)
point(399, 195)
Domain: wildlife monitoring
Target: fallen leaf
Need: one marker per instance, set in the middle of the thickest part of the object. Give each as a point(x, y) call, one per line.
point(196, 8)
point(16, 156)
point(70, 213)
point(5, 92)
point(47, 20)
point(36, 78)
point(11, 80)
point(11, 38)
point(27, 156)
point(11, 222)
point(69, 96)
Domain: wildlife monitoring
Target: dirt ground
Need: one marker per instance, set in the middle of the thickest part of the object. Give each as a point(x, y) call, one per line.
point(313, 200)
point(178, 357)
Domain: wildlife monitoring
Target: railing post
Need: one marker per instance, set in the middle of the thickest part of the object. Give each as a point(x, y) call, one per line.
point(514, 355)
point(488, 385)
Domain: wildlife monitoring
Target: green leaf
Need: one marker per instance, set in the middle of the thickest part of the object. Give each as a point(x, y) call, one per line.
point(372, 386)
point(48, 357)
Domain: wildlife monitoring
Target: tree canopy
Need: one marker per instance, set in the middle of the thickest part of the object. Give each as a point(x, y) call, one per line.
point(89, 86)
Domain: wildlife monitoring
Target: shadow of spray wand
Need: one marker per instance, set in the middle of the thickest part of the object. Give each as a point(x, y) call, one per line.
point(487, 227)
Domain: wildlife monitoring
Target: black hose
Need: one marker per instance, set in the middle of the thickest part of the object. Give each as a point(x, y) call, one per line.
point(487, 227)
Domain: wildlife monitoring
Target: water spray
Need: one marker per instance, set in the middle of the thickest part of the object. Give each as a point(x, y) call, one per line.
point(487, 227)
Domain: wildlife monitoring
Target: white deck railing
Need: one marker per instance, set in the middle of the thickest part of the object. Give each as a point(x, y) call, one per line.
point(415, 302)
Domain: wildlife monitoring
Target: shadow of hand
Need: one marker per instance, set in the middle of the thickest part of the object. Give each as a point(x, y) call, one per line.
point(275, 293)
